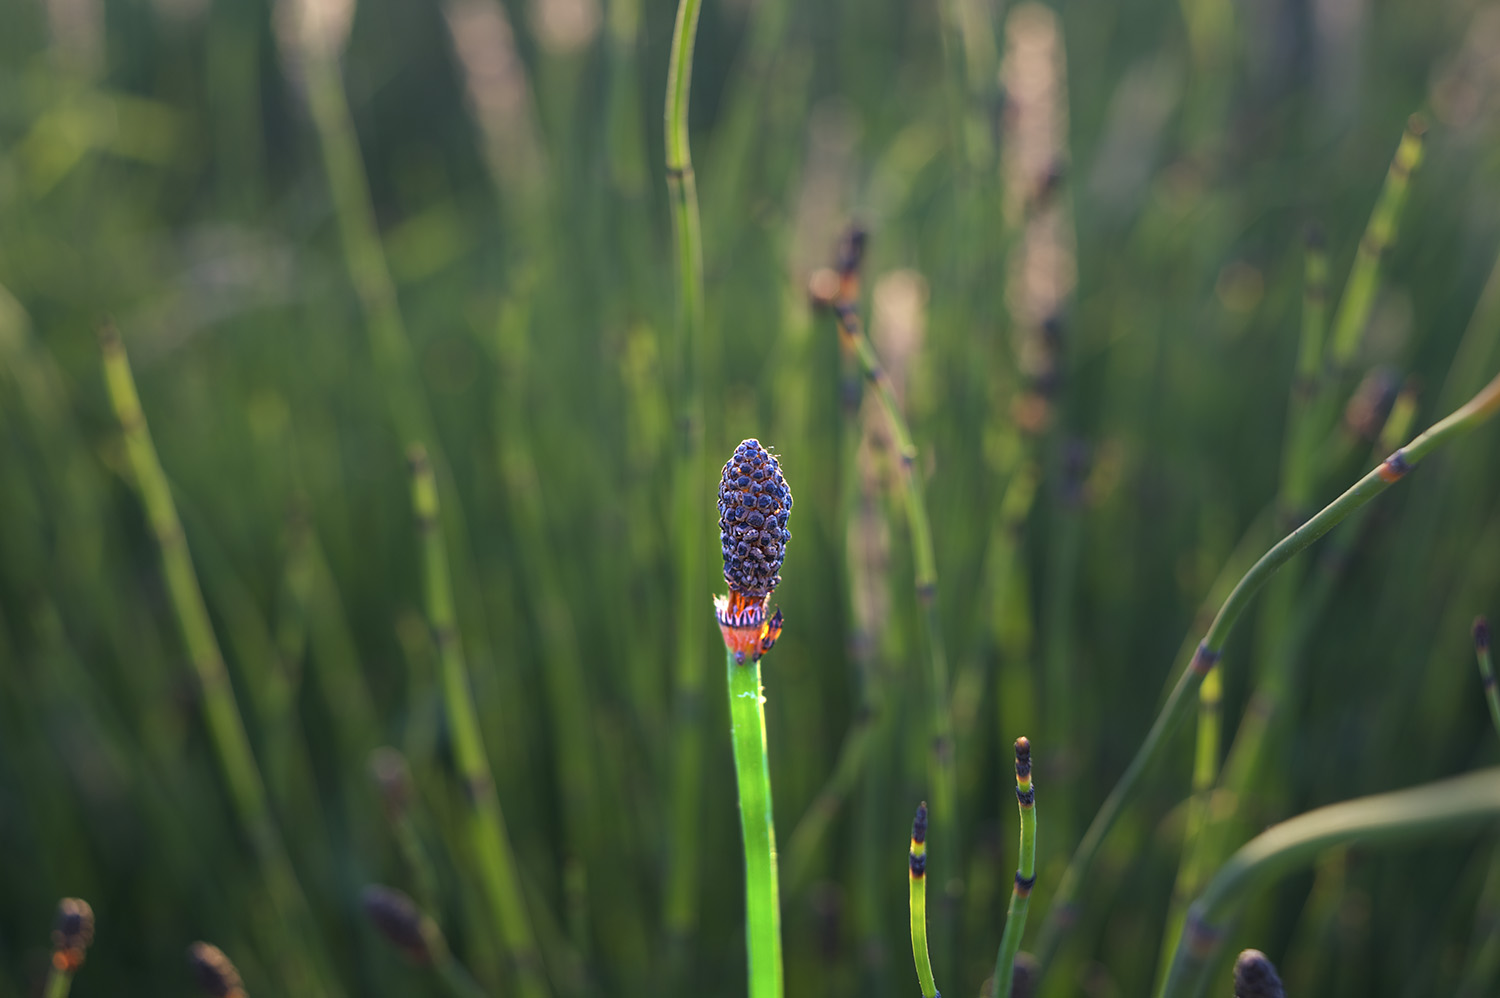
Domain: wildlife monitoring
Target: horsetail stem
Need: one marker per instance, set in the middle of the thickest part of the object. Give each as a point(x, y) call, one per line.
point(754, 505)
point(72, 933)
point(1020, 897)
point(217, 977)
point(414, 932)
point(690, 470)
point(1447, 805)
point(1388, 472)
point(1487, 669)
point(1205, 774)
point(1359, 290)
point(917, 876)
point(941, 763)
point(488, 838)
point(226, 727)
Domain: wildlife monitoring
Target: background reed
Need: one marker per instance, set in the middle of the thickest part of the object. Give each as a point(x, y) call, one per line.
point(504, 164)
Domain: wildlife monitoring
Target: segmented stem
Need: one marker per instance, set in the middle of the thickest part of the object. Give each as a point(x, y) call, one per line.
point(941, 733)
point(689, 508)
point(1392, 469)
point(917, 875)
point(1359, 291)
point(752, 769)
point(488, 838)
point(1020, 897)
point(226, 727)
point(1445, 806)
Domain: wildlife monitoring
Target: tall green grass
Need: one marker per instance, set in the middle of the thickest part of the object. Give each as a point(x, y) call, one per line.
point(456, 226)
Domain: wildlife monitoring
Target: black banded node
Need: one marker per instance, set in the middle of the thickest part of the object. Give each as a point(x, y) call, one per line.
point(216, 976)
point(1481, 635)
point(397, 917)
point(918, 859)
point(71, 934)
point(1255, 976)
point(754, 503)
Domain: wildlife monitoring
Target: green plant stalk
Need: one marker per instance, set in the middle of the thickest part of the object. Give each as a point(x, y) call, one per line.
point(58, 983)
point(1487, 669)
point(486, 824)
point(1483, 964)
point(1293, 495)
point(1020, 897)
point(1359, 291)
point(1205, 774)
point(688, 498)
point(752, 769)
point(944, 779)
point(1471, 414)
point(226, 726)
point(917, 878)
point(1445, 806)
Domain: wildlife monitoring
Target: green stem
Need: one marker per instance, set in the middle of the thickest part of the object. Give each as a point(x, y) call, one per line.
point(747, 715)
point(486, 824)
point(1475, 411)
point(689, 508)
point(944, 792)
point(58, 983)
point(226, 726)
point(917, 875)
point(1359, 291)
point(1020, 898)
point(1445, 806)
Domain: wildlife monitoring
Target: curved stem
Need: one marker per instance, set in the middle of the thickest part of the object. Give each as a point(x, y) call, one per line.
point(1445, 806)
point(752, 770)
point(1392, 469)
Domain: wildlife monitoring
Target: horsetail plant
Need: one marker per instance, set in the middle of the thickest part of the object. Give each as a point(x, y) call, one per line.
point(1401, 462)
point(71, 935)
point(488, 838)
point(917, 875)
point(217, 977)
point(411, 930)
point(226, 727)
point(1020, 898)
point(1444, 807)
point(852, 337)
point(754, 503)
point(689, 472)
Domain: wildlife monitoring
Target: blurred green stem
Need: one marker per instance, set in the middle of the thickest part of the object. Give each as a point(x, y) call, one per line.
point(1020, 897)
point(690, 500)
point(58, 983)
point(944, 779)
point(1445, 806)
point(486, 824)
point(747, 717)
point(226, 727)
point(1060, 915)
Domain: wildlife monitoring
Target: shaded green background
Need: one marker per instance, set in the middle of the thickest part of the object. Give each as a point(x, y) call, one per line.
point(158, 165)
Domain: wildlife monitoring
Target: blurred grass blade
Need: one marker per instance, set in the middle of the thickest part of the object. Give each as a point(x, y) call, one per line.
point(1444, 807)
